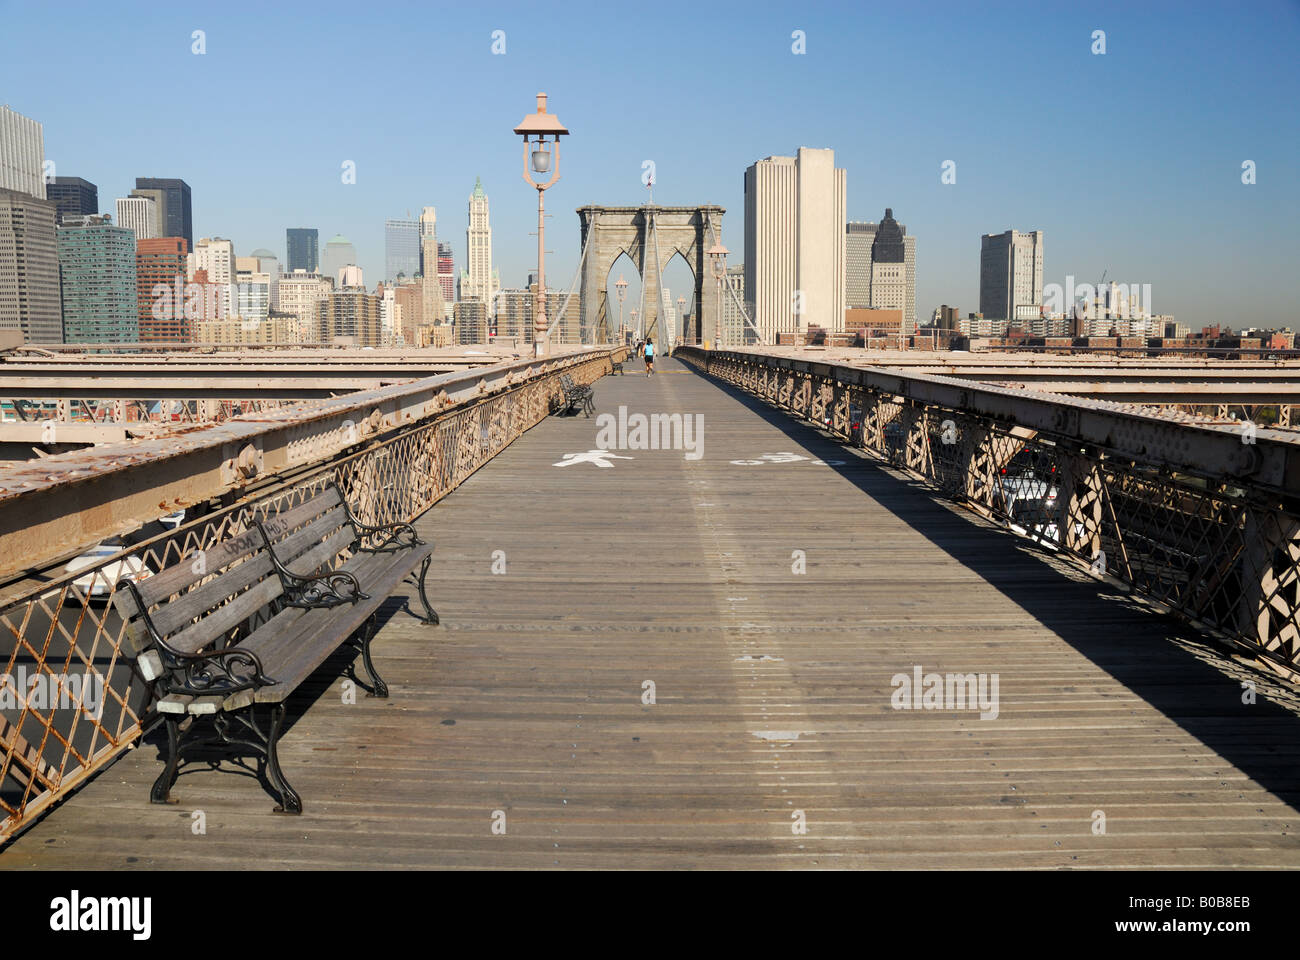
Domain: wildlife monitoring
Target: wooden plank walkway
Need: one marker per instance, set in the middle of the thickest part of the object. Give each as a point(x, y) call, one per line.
point(772, 689)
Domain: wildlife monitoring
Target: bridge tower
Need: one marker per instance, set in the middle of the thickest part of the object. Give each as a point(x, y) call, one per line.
point(651, 235)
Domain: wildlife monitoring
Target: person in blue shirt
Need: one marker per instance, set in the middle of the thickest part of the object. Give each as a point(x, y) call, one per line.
point(649, 356)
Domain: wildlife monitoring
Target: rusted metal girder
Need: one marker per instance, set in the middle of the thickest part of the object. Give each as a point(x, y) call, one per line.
point(256, 352)
point(1269, 458)
point(1266, 393)
point(198, 384)
point(52, 432)
point(67, 501)
point(1222, 374)
point(935, 361)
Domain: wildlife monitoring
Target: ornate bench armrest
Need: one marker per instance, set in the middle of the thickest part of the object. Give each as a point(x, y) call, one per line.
point(332, 588)
point(199, 674)
point(387, 537)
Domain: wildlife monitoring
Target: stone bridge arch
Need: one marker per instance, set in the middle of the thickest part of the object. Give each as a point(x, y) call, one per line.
point(614, 231)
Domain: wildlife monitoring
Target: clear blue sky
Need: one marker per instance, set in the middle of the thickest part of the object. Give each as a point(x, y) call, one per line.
point(1130, 162)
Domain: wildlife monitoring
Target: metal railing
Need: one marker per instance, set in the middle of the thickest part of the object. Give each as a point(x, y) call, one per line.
point(1202, 520)
point(70, 702)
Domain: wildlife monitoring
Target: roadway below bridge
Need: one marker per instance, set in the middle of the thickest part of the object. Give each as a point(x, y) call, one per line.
point(673, 662)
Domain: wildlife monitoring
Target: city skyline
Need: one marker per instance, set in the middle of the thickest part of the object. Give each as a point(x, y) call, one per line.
point(1130, 203)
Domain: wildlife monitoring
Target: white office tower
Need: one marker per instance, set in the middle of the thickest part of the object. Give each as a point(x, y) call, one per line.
point(140, 215)
point(479, 282)
point(22, 153)
point(795, 242)
point(432, 305)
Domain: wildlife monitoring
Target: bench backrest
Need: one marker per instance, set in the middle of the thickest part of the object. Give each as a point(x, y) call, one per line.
point(309, 536)
point(189, 617)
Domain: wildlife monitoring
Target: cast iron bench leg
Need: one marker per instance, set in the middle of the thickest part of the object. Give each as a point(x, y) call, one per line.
point(432, 616)
point(380, 689)
point(161, 792)
point(290, 802)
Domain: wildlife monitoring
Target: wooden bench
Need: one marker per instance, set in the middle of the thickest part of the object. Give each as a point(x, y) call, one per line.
point(576, 396)
point(616, 366)
point(217, 649)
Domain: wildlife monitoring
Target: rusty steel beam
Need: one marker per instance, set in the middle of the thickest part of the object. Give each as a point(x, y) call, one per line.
point(73, 499)
point(263, 352)
point(1155, 392)
point(1268, 458)
point(256, 384)
point(1281, 377)
point(53, 432)
point(857, 356)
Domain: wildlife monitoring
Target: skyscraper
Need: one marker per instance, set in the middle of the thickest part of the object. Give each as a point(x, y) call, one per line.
point(794, 242)
point(433, 307)
point(22, 154)
point(734, 330)
point(479, 282)
point(338, 253)
point(447, 274)
point(29, 268)
point(139, 215)
point(881, 267)
point(888, 267)
point(859, 236)
point(303, 249)
point(401, 249)
point(75, 197)
point(175, 218)
point(97, 271)
point(909, 268)
point(428, 228)
point(159, 261)
point(1011, 276)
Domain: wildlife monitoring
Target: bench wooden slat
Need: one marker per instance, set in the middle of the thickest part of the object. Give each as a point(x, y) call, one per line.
point(322, 554)
point(279, 524)
point(198, 635)
point(184, 573)
point(290, 548)
point(171, 617)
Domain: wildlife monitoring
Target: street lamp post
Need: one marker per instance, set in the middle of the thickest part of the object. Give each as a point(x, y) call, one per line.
point(620, 285)
point(681, 313)
point(535, 128)
point(717, 255)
